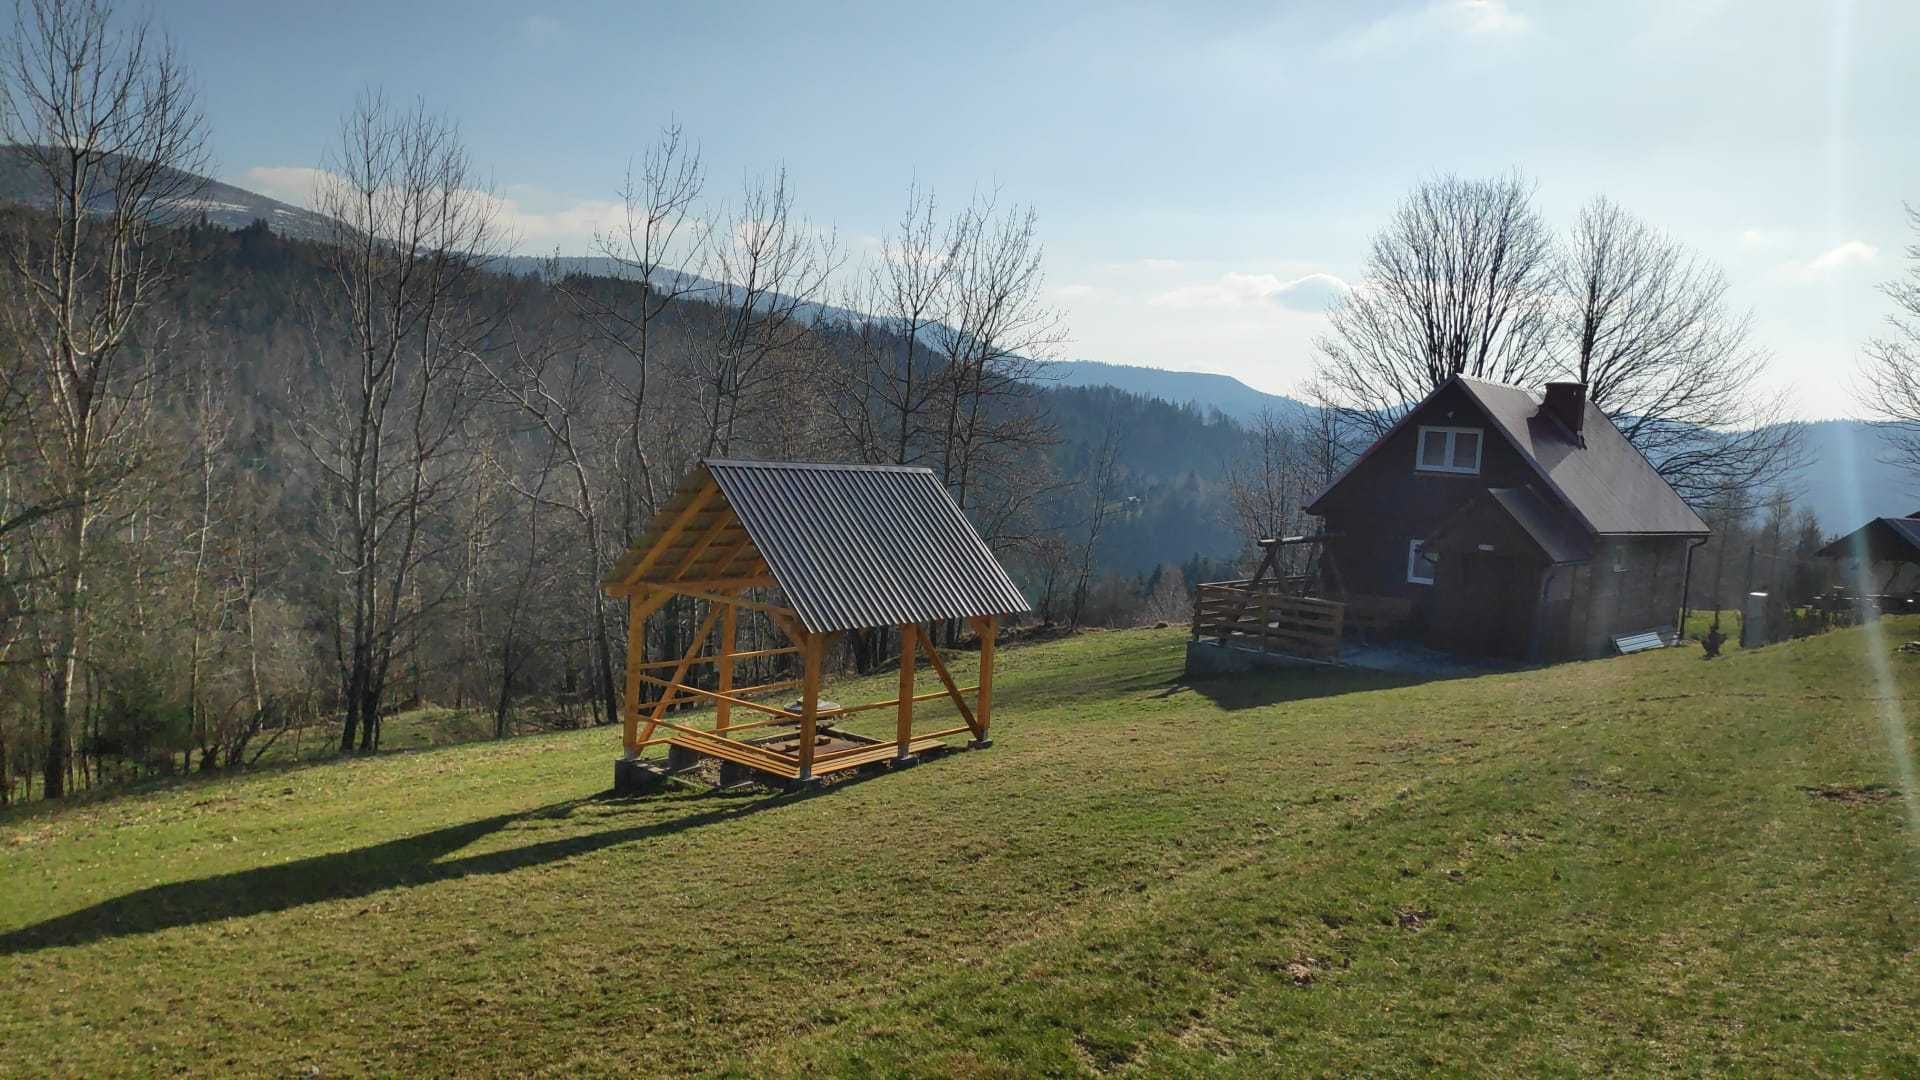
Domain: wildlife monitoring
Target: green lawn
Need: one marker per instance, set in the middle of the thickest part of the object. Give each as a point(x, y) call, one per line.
point(1605, 866)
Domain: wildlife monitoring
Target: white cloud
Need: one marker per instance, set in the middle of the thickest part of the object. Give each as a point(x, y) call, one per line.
point(1840, 257)
point(1486, 17)
point(1764, 239)
point(1312, 293)
point(1417, 27)
point(536, 221)
point(289, 183)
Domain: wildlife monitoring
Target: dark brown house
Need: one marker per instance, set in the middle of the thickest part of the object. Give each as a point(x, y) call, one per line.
point(1509, 524)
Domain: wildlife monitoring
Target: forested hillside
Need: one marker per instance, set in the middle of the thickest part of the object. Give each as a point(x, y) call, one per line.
point(306, 514)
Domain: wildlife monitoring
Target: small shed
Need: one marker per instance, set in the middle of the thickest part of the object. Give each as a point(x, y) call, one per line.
point(821, 550)
point(1885, 545)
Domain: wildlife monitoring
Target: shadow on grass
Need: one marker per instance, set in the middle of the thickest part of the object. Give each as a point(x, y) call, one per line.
point(411, 860)
point(1253, 689)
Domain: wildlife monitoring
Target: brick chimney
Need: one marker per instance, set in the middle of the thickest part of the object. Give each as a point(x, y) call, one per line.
point(1567, 403)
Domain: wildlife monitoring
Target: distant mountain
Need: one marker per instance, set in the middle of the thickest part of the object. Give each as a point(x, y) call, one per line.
point(1850, 477)
point(223, 204)
point(1847, 479)
point(1200, 389)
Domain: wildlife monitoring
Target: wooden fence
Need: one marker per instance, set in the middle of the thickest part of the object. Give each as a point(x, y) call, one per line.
point(1270, 617)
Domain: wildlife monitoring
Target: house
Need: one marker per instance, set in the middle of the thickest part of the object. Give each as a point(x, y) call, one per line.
point(1508, 524)
point(1886, 549)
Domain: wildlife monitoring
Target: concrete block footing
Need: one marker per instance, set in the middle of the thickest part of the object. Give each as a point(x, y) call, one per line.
point(632, 776)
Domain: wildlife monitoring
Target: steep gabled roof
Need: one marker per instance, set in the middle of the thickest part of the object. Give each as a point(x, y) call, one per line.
point(1609, 486)
point(850, 546)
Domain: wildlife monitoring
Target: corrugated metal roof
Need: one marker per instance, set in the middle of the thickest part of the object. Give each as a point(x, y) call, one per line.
point(851, 546)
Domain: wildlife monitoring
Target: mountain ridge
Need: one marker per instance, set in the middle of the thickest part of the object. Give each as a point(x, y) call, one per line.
point(1849, 475)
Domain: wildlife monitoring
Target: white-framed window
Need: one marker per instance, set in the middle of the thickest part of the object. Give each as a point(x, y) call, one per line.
point(1420, 565)
point(1449, 449)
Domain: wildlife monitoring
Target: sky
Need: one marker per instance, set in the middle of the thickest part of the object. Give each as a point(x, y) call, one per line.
point(1207, 176)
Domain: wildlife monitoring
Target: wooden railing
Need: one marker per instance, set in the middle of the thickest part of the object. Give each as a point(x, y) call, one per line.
point(1270, 617)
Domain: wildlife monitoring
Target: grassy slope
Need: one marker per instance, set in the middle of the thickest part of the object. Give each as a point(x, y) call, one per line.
point(1600, 865)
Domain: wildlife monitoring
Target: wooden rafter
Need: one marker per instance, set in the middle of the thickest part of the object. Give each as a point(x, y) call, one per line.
point(728, 556)
point(672, 532)
point(722, 524)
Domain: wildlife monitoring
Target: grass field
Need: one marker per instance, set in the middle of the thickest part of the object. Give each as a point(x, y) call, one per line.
point(1647, 863)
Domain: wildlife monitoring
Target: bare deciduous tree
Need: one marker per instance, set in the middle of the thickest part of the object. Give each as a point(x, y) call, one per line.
point(773, 270)
point(1458, 283)
point(394, 338)
point(1103, 474)
point(1652, 338)
point(657, 246)
point(1268, 487)
point(103, 119)
point(996, 332)
point(1889, 382)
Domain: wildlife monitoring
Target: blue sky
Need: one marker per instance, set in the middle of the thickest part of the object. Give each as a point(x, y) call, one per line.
point(1206, 175)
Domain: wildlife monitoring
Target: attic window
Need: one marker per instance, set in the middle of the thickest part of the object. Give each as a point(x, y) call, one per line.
point(1449, 449)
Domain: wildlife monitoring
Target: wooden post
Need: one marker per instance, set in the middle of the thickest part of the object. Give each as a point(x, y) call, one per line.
point(903, 732)
point(729, 626)
point(988, 628)
point(809, 700)
point(667, 696)
point(636, 655)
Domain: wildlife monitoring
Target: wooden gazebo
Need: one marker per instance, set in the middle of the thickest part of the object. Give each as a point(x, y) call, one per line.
point(820, 550)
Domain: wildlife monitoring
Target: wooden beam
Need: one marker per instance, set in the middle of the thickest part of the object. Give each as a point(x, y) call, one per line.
point(729, 555)
point(809, 700)
point(640, 607)
point(789, 623)
point(700, 546)
point(672, 532)
point(988, 628)
point(703, 660)
point(903, 722)
point(680, 672)
point(726, 584)
point(729, 626)
point(773, 610)
point(940, 667)
point(849, 710)
point(735, 698)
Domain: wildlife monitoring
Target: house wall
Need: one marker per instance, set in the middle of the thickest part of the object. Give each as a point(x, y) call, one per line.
point(1384, 504)
point(1633, 584)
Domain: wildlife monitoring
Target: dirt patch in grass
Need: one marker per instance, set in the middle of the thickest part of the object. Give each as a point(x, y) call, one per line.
point(1854, 794)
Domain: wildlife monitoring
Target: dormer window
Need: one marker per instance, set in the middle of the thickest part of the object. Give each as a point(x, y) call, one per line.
point(1449, 450)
